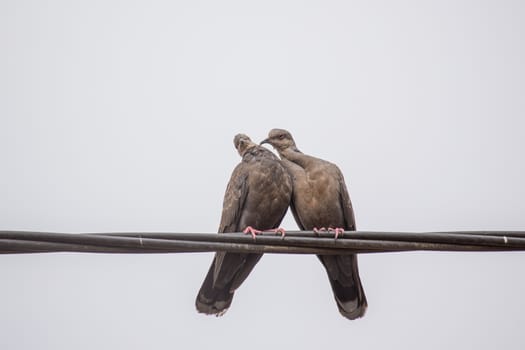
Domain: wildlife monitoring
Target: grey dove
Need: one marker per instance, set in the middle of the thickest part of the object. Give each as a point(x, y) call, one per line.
point(257, 197)
point(320, 199)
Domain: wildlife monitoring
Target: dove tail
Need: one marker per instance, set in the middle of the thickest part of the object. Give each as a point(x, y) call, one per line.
point(346, 285)
point(213, 300)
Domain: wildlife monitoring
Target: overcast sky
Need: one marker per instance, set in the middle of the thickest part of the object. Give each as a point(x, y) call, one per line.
point(120, 116)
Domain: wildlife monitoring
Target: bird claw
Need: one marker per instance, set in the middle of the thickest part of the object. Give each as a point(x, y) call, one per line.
point(251, 231)
point(278, 230)
point(338, 231)
point(318, 230)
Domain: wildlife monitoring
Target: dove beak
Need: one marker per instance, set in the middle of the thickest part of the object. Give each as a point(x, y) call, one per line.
point(265, 141)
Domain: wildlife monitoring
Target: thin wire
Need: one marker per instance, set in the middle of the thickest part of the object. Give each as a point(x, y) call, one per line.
point(295, 242)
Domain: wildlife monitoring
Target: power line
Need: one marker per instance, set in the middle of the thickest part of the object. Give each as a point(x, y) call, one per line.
point(295, 242)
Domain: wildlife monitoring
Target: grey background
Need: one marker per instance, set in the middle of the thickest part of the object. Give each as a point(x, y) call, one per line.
point(120, 115)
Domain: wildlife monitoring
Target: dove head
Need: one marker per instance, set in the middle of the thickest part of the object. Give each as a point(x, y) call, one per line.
point(242, 143)
point(280, 139)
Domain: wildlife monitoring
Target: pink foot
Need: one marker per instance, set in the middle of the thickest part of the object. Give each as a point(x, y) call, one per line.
point(278, 230)
point(318, 230)
point(251, 231)
point(338, 231)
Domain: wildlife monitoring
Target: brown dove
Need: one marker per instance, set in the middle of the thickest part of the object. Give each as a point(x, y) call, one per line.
point(320, 200)
point(256, 199)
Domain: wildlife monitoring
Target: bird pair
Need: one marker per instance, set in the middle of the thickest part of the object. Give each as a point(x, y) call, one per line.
point(258, 194)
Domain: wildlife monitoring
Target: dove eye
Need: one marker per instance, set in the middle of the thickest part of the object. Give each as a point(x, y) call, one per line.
point(281, 136)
